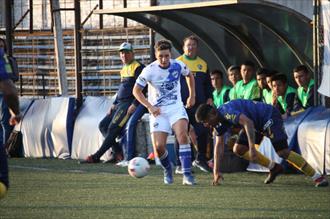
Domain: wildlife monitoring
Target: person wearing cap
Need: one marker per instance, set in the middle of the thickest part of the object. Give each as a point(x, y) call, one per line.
point(10, 95)
point(124, 105)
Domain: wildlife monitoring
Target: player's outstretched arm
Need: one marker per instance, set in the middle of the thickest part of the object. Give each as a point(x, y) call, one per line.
point(217, 155)
point(192, 94)
point(138, 94)
point(250, 132)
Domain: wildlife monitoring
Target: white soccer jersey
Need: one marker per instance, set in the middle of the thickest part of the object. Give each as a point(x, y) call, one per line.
point(163, 84)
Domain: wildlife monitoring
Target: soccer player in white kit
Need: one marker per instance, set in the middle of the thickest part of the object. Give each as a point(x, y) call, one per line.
point(166, 109)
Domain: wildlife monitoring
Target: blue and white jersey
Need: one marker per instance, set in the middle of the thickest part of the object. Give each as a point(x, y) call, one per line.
point(163, 84)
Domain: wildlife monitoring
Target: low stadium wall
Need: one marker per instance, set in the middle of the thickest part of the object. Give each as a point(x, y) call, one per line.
point(51, 129)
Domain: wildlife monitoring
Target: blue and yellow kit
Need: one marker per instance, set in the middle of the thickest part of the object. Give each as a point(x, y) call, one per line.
point(203, 86)
point(258, 112)
point(128, 76)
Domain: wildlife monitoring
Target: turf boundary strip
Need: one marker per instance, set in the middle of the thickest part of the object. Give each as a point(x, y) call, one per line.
point(60, 170)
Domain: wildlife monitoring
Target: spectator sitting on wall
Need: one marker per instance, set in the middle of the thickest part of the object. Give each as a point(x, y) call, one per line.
point(265, 89)
point(221, 91)
point(122, 108)
point(305, 91)
point(283, 95)
point(234, 75)
point(247, 88)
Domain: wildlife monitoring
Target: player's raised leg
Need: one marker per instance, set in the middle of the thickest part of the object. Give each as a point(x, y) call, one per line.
point(301, 164)
point(274, 168)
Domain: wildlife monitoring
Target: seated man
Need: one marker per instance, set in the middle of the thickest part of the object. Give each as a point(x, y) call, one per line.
point(221, 91)
point(257, 120)
point(234, 75)
point(265, 90)
point(283, 95)
point(247, 88)
point(305, 91)
point(124, 105)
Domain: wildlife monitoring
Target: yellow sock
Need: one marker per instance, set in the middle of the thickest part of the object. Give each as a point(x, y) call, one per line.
point(3, 190)
point(261, 159)
point(300, 163)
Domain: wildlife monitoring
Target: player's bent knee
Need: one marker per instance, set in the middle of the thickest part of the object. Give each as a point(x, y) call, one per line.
point(239, 150)
point(284, 153)
point(183, 138)
point(160, 149)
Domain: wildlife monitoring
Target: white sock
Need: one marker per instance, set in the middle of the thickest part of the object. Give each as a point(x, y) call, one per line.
point(271, 165)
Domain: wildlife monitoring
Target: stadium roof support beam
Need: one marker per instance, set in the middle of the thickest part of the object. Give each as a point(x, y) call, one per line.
point(9, 28)
point(77, 52)
point(157, 28)
point(59, 49)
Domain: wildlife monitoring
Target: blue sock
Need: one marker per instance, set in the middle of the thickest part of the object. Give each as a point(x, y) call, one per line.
point(165, 161)
point(185, 158)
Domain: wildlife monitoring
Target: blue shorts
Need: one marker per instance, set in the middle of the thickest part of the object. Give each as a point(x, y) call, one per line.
point(273, 129)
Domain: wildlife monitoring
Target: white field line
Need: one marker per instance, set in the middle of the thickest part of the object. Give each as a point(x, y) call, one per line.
point(42, 168)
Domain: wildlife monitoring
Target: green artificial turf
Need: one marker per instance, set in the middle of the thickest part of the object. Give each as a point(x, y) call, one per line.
point(51, 188)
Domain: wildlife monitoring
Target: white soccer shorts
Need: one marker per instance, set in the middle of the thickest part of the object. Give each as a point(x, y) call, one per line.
point(169, 115)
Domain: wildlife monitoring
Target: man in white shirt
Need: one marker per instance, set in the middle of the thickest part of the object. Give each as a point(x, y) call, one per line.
point(166, 109)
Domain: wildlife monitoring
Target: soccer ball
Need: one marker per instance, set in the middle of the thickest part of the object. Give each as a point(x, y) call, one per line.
point(138, 167)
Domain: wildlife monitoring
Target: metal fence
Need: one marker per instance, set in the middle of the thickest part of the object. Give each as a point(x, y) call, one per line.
point(100, 60)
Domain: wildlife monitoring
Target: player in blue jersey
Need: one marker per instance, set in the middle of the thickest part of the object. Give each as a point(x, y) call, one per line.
point(9, 91)
point(257, 120)
point(4, 110)
point(166, 109)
